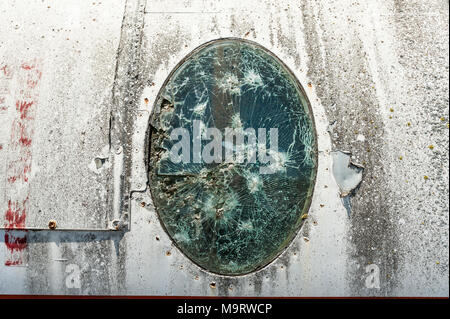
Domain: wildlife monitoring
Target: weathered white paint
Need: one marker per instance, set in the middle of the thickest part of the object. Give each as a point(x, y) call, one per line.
point(360, 58)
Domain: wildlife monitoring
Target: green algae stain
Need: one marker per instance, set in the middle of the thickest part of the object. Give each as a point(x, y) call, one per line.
point(226, 215)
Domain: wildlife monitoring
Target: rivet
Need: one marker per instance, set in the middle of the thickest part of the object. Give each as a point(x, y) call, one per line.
point(52, 224)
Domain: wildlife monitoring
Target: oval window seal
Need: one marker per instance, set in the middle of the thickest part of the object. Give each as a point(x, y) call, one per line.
point(233, 156)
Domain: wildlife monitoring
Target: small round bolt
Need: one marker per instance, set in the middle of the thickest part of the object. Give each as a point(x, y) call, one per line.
point(115, 224)
point(52, 224)
point(212, 285)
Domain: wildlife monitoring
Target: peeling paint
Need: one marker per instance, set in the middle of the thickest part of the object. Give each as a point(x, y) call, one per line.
point(348, 175)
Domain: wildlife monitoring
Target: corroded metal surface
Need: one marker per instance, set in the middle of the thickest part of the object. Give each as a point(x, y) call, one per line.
point(375, 73)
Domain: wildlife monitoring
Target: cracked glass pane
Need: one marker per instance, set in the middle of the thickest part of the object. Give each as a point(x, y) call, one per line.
point(233, 156)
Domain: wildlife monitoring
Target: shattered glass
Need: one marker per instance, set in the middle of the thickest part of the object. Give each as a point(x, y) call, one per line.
point(227, 216)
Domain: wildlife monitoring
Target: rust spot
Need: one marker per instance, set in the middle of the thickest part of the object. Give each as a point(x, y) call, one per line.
point(52, 224)
point(246, 35)
point(212, 285)
point(146, 101)
point(309, 85)
point(143, 204)
point(168, 253)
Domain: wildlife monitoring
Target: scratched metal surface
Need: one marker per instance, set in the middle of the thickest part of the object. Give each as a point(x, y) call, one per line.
point(50, 144)
point(377, 78)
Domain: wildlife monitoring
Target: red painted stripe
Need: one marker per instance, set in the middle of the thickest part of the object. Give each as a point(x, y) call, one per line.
point(19, 161)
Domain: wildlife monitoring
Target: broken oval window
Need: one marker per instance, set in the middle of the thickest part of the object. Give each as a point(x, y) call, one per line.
point(233, 156)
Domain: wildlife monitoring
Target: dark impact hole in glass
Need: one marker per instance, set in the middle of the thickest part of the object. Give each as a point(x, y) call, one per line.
point(232, 156)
